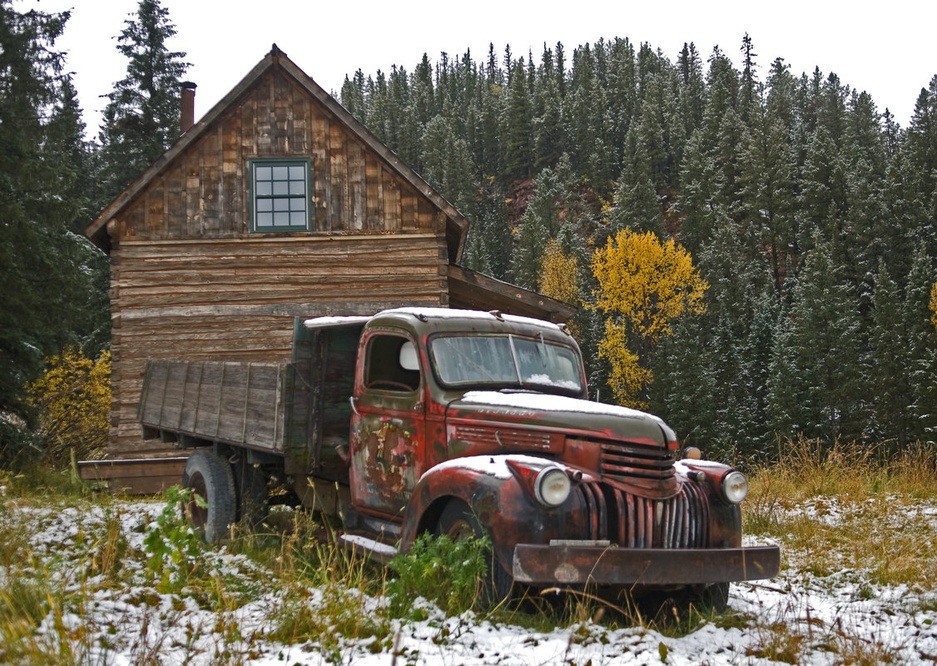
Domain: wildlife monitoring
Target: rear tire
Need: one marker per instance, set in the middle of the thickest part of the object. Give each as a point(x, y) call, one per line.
point(458, 522)
point(210, 477)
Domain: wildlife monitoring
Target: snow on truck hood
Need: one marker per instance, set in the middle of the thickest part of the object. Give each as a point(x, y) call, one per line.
point(540, 403)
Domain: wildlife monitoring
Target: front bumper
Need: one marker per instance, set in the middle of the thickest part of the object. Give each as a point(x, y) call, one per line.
point(572, 563)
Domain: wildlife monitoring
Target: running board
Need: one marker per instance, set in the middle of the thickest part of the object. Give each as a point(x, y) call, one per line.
point(377, 551)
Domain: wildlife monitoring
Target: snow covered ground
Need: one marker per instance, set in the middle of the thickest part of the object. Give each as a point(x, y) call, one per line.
point(798, 617)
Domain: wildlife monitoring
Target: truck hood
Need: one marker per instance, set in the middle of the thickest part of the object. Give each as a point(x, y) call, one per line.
point(571, 415)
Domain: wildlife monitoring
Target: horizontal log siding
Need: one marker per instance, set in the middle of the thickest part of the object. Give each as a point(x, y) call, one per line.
point(236, 300)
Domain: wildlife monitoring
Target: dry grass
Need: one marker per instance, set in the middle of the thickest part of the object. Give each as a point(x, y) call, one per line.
point(848, 506)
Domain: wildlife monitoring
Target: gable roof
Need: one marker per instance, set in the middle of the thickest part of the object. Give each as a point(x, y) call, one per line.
point(456, 223)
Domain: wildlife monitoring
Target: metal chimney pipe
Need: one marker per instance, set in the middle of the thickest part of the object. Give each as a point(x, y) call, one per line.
point(187, 115)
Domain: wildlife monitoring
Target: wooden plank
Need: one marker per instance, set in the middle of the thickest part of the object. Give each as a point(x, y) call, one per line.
point(224, 401)
point(356, 185)
point(136, 476)
point(373, 195)
point(338, 176)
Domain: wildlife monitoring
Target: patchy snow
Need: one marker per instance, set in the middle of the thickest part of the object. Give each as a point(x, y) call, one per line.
point(542, 402)
point(335, 320)
point(492, 465)
point(453, 313)
point(827, 617)
point(369, 544)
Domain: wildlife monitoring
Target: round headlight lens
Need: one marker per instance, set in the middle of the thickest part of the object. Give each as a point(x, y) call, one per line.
point(735, 487)
point(552, 486)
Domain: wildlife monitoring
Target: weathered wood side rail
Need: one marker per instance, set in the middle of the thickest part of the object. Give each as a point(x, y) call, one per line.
point(234, 403)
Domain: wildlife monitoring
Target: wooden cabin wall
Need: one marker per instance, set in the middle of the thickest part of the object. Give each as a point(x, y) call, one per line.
point(236, 300)
point(190, 281)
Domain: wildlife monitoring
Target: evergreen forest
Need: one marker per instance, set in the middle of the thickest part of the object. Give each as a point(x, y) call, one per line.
point(752, 250)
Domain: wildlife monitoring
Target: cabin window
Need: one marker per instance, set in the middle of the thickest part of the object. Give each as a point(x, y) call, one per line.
point(280, 195)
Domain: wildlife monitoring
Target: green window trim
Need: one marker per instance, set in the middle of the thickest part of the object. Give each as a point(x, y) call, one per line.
point(280, 197)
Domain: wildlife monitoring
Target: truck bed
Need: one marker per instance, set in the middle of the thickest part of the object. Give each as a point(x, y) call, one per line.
point(234, 403)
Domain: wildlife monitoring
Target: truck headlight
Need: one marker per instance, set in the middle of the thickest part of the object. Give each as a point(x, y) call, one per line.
point(734, 487)
point(552, 486)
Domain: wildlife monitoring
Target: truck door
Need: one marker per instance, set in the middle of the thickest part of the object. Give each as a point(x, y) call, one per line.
point(388, 424)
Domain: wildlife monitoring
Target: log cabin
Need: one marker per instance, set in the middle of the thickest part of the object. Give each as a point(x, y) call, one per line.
point(277, 204)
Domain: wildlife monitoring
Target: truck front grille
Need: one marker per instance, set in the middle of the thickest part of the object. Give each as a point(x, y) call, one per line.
point(631, 521)
point(625, 461)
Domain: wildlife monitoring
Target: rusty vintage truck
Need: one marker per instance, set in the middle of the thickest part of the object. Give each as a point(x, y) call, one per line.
point(457, 422)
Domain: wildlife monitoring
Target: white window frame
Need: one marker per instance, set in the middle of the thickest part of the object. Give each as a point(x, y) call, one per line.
point(280, 196)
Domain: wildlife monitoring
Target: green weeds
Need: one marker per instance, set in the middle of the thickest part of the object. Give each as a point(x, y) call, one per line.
point(450, 574)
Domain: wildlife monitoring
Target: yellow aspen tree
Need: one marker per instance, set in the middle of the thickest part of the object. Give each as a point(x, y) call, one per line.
point(558, 276)
point(933, 304)
point(74, 402)
point(644, 284)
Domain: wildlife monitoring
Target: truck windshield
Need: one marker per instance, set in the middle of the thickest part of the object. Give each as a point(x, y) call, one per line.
point(505, 361)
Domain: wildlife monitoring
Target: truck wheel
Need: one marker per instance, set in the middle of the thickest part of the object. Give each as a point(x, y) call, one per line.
point(716, 596)
point(713, 597)
point(458, 522)
point(209, 476)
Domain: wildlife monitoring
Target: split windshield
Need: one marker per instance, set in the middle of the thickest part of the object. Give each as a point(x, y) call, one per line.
point(505, 361)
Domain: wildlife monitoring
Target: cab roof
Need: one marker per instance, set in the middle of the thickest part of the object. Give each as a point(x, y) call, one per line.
point(425, 320)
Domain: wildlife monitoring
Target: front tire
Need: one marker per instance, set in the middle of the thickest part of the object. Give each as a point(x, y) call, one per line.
point(210, 477)
point(458, 522)
point(715, 597)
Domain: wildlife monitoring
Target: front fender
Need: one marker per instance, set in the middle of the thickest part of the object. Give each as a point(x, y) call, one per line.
point(498, 498)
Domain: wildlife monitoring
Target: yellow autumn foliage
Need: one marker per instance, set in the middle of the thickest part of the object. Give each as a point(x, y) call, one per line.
point(627, 377)
point(558, 277)
point(644, 285)
point(558, 274)
point(933, 304)
point(74, 401)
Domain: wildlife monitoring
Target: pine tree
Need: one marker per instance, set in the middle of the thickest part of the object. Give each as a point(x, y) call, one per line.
point(141, 119)
point(697, 204)
point(621, 92)
point(539, 223)
point(548, 140)
point(45, 278)
point(922, 147)
point(636, 205)
point(423, 94)
point(749, 91)
point(921, 346)
point(765, 199)
point(353, 97)
point(692, 88)
point(787, 410)
point(518, 130)
point(889, 377)
point(827, 349)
